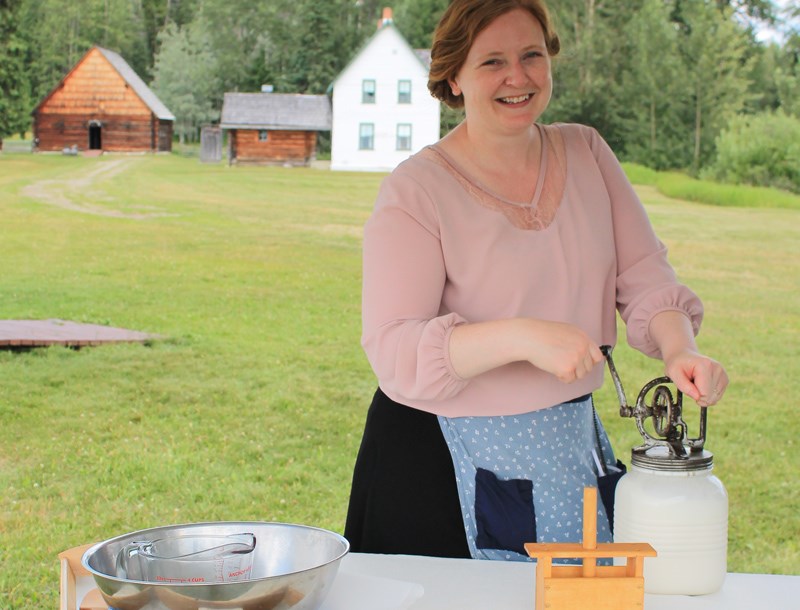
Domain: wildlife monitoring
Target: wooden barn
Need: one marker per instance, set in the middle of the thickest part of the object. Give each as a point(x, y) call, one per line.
point(274, 128)
point(103, 105)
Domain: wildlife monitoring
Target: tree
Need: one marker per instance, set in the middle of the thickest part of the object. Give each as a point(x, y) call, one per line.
point(185, 76)
point(56, 41)
point(651, 87)
point(764, 61)
point(788, 85)
point(787, 72)
point(239, 32)
point(588, 72)
point(757, 9)
point(156, 15)
point(417, 20)
point(59, 32)
point(14, 84)
point(713, 50)
point(320, 49)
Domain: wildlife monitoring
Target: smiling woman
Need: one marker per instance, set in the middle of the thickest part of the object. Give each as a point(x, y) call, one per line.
point(495, 262)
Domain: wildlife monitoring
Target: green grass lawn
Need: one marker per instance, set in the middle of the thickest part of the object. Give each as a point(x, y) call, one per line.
point(252, 406)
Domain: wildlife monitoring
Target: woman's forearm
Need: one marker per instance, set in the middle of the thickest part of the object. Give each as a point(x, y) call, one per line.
point(672, 332)
point(696, 375)
point(555, 347)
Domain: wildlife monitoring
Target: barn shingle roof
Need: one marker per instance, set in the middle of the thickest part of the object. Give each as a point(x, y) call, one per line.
point(278, 111)
point(138, 85)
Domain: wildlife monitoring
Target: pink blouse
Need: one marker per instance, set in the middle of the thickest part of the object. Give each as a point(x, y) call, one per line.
point(441, 250)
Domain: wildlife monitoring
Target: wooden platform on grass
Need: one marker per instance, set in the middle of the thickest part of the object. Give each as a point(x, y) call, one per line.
point(43, 333)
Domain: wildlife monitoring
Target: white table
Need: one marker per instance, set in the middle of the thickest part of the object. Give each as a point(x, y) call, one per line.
point(404, 582)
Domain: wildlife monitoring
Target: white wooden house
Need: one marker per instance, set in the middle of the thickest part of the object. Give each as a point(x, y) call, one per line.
point(382, 109)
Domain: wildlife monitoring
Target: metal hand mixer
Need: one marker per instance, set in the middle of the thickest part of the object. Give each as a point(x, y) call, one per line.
point(670, 447)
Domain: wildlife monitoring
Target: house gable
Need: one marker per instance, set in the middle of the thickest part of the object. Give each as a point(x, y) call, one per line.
point(398, 120)
point(102, 82)
point(389, 36)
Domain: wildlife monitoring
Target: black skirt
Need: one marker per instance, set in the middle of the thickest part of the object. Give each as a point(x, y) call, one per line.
point(404, 497)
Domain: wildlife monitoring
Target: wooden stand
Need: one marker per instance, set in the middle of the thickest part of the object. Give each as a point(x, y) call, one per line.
point(589, 585)
point(72, 571)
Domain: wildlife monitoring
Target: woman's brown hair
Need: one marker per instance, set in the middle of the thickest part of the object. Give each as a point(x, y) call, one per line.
point(460, 24)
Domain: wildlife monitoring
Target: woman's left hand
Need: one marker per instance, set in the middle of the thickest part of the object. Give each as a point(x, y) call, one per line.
point(698, 376)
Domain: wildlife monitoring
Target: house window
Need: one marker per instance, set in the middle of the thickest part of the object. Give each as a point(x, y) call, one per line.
point(403, 136)
point(404, 92)
point(262, 135)
point(368, 92)
point(366, 136)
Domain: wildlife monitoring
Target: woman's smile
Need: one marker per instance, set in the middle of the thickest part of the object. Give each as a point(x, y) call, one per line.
point(514, 101)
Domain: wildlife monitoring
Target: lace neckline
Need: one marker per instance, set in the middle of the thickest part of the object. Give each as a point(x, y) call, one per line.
point(456, 168)
point(540, 212)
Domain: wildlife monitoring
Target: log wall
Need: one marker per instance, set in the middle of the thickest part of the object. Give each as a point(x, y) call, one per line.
point(118, 134)
point(295, 147)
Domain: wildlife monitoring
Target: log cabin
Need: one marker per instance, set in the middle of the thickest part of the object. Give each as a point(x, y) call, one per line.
point(102, 105)
point(274, 128)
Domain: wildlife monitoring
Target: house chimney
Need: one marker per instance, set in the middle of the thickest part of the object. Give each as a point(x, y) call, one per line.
point(386, 18)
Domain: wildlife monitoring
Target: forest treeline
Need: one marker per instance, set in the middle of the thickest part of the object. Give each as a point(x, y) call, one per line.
point(671, 84)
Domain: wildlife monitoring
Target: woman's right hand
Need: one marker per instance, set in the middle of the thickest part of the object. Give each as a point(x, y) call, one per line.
point(561, 349)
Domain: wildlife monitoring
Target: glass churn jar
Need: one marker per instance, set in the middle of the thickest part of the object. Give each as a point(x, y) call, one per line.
point(670, 498)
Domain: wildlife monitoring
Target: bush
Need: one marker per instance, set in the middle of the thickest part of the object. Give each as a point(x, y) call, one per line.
point(678, 185)
point(681, 186)
point(639, 174)
point(759, 150)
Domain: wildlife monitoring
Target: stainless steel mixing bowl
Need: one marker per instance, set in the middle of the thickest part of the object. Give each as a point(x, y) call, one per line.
point(293, 567)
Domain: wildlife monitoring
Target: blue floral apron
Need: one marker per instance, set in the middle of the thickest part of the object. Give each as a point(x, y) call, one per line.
point(521, 477)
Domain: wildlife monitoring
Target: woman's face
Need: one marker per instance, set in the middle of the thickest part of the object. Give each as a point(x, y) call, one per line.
point(506, 79)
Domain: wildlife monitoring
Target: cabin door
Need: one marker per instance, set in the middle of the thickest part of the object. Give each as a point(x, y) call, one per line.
point(95, 137)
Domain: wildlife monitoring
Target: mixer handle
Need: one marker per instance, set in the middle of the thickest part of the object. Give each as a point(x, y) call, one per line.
point(624, 409)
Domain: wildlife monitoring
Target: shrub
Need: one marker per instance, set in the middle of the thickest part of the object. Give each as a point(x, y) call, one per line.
point(639, 174)
point(759, 150)
point(681, 186)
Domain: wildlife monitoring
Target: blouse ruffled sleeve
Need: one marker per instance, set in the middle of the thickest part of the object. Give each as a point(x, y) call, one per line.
point(404, 334)
point(646, 282)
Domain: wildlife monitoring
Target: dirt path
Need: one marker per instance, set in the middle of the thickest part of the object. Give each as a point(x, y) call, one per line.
point(87, 187)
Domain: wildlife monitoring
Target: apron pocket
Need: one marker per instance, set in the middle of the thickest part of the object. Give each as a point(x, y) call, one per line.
point(504, 512)
point(607, 485)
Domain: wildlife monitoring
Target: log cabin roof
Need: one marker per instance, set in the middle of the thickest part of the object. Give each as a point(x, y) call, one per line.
point(277, 111)
point(138, 85)
point(142, 91)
